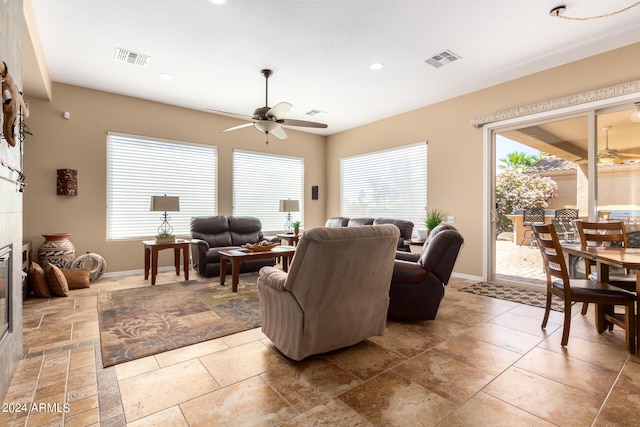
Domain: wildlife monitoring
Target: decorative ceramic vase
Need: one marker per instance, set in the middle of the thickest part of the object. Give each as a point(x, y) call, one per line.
point(92, 262)
point(57, 249)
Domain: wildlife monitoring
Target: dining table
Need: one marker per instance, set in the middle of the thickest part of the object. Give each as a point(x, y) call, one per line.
point(605, 258)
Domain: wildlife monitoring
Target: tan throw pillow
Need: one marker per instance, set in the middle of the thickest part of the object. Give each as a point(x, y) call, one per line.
point(77, 278)
point(37, 281)
point(56, 280)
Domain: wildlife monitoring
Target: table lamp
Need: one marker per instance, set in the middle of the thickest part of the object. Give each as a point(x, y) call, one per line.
point(165, 204)
point(289, 206)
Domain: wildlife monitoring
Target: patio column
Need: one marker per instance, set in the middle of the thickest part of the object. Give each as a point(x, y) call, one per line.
point(582, 190)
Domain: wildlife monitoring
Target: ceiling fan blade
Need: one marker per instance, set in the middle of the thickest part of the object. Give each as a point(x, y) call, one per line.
point(279, 110)
point(279, 133)
point(627, 155)
point(246, 125)
point(226, 113)
point(303, 123)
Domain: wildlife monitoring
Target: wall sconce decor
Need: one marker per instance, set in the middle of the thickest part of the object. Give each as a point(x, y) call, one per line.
point(67, 182)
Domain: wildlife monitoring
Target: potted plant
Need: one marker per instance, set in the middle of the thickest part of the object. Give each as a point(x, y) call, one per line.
point(434, 218)
point(165, 237)
point(296, 227)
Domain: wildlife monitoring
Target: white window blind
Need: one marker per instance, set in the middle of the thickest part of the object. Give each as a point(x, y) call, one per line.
point(390, 184)
point(260, 181)
point(141, 167)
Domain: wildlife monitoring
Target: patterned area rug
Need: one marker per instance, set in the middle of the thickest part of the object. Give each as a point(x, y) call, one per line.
point(140, 322)
point(510, 293)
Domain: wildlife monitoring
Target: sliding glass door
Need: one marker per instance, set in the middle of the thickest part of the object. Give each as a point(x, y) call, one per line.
point(618, 172)
point(586, 163)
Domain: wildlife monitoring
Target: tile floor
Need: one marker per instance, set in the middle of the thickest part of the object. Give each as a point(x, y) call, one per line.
point(481, 362)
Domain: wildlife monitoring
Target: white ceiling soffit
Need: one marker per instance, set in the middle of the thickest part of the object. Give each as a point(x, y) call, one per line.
point(320, 50)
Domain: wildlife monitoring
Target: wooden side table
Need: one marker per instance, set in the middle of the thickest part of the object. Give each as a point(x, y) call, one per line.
point(415, 245)
point(291, 239)
point(151, 248)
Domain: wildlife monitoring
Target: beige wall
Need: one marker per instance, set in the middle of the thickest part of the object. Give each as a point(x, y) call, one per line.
point(80, 143)
point(618, 189)
point(455, 150)
point(455, 174)
point(567, 191)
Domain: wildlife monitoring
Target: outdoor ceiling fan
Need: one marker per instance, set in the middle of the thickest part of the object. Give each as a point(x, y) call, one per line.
point(611, 155)
point(269, 119)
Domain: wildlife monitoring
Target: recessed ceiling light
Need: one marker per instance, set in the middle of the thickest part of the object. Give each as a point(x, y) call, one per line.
point(165, 76)
point(218, 2)
point(376, 66)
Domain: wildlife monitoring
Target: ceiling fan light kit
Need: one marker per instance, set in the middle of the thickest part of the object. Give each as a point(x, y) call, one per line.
point(613, 156)
point(268, 120)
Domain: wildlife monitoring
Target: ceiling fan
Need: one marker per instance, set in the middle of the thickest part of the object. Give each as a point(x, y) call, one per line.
point(269, 119)
point(611, 155)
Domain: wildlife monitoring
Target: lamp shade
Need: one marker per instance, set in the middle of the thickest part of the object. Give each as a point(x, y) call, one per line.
point(289, 206)
point(165, 203)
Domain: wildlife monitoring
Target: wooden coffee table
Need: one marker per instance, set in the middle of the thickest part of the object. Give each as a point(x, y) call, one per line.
point(236, 256)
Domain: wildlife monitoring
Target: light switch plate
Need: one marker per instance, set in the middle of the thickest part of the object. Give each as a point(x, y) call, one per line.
point(451, 219)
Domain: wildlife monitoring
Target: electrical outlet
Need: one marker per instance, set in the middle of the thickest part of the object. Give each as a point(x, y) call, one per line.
point(451, 219)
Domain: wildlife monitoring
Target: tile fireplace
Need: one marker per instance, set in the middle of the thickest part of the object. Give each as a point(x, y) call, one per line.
point(5, 291)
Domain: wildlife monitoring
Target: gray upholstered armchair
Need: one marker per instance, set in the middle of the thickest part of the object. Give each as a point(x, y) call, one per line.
point(418, 282)
point(336, 292)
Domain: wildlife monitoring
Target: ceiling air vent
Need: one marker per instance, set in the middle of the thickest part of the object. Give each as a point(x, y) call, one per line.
point(315, 113)
point(443, 58)
point(134, 58)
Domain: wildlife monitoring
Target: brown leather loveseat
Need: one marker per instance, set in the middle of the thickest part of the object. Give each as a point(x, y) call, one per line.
point(215, 233)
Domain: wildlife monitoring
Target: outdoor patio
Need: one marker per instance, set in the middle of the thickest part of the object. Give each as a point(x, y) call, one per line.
point(519, 263)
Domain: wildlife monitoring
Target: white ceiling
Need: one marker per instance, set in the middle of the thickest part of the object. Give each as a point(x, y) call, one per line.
point(320, 50)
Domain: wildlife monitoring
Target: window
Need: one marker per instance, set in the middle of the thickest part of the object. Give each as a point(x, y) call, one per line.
point(141, 167)
point(260, 181)
point(390, 183)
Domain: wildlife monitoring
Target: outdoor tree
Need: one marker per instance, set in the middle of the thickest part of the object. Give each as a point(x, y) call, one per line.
point(517, 190)
point(519, 160)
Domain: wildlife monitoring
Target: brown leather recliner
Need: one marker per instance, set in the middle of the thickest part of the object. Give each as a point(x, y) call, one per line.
point(418, 281)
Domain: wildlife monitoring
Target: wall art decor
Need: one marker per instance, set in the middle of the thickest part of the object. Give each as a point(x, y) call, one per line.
point(67, 182)
point(14, 110)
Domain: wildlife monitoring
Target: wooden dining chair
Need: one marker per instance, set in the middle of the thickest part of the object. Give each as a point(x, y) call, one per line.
point(604, 234)
point(581, 290)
